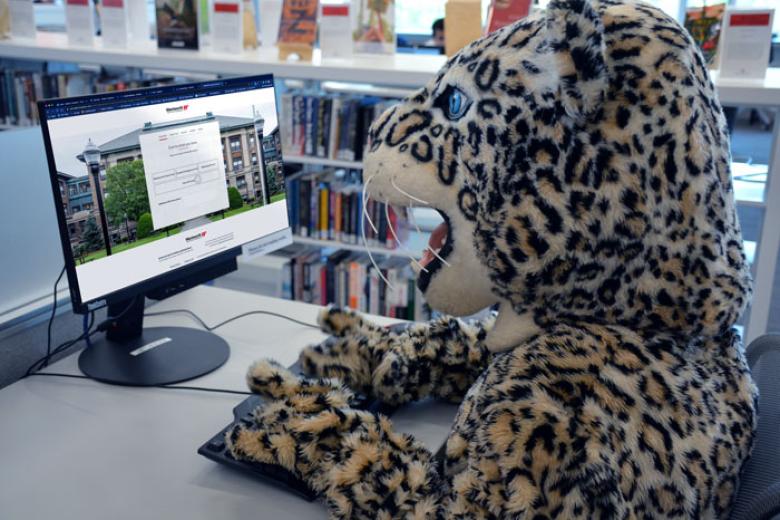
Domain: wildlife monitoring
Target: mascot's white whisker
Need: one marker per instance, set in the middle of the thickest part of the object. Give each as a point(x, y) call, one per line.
point(395, 236)
point(364, 198)
point(365, 203)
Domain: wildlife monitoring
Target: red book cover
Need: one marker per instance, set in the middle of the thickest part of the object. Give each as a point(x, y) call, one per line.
point(324, 285)
point(506, 12)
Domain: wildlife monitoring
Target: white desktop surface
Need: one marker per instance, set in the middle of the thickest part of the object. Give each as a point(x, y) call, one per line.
point(79, 449)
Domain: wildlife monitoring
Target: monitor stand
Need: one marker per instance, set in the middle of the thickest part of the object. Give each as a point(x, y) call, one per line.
point(132, 355)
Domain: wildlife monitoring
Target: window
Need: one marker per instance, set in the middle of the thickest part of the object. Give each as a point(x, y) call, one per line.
point(238, 164)
point(254, 159)
point(125, 159)
point(235, 143)
point(241, 182)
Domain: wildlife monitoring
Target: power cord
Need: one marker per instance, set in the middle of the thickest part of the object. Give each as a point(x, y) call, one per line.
point(89, 321)
point(166, 387)
point(51, 317)
point(234, 318)
point(44, 361)
point(88, 332)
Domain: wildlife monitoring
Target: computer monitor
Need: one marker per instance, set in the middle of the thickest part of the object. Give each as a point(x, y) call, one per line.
point(157, 190)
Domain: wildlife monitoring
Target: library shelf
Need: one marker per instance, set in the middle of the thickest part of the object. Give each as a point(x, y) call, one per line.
point(399, 70)
point(321, 161)
point(336, 244)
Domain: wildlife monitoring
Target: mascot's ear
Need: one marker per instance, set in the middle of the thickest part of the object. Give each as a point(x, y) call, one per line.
point(575, 35)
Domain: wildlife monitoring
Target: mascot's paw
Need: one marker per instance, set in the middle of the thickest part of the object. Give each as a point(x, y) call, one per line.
point(339, 452)
point(353, 351)
point(270, 379)
point(343, 322)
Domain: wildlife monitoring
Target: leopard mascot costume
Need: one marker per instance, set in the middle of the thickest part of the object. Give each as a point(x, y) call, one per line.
point(580, 160)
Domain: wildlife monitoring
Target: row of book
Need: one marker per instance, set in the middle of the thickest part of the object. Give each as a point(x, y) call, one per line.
point(349, 279)
point(21, 90)
point(330, 127)
point(329, 206)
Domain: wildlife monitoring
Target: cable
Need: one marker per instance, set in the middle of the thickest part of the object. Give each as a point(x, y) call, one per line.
point(85, 329)
point(234, 318)
point(42, 362)
point(51, 318)
point(165, 387)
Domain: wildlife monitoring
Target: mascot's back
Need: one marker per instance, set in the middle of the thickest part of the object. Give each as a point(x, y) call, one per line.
point(581, 160)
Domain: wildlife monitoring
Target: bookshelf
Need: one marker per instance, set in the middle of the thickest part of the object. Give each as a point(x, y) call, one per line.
point(396, 76)
point(335, 244)
point(401, 70)
point(404, 70)
point(319, 161)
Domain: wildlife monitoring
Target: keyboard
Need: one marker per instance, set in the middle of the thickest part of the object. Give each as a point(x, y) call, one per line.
point(216, 450)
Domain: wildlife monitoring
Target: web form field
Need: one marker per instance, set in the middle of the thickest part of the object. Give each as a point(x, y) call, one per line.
point(185, 172)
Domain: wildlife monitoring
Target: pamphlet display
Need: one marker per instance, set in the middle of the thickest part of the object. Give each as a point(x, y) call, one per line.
point(505, 12)
point(335, 28)
point(375, 26)
point(745, 43)
point(80, 22)
point(462, 18)
point(113, 20)
point(704, 24)
point(271, 14)
point(227, 28)
point(22, 18)
point(177, 24)
point(298, 28)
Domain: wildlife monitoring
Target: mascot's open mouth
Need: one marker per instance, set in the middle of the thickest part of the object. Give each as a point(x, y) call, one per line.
point(440, 243)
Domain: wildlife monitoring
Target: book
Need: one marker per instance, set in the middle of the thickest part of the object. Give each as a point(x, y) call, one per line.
point(704, 24)
point(177, 24)
point(298, 28)
point(506, 12)
point(374, 27)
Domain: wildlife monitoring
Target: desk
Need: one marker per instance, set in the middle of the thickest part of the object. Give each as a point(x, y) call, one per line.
point(79, 449)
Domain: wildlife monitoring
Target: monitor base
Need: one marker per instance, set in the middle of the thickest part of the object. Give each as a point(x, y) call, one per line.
point(159, 356)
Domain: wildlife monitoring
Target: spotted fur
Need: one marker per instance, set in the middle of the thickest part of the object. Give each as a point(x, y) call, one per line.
point(581, 160)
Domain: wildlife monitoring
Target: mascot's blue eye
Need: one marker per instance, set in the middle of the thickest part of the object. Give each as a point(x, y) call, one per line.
point(457, 104)
point(453, 102)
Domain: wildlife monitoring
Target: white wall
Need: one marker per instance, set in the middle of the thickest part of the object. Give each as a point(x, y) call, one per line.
point(30, 249)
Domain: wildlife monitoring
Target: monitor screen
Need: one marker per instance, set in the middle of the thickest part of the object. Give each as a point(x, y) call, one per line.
point(168, 176)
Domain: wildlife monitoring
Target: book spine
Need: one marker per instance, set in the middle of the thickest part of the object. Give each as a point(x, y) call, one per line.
point(323, 211)
point(287, 280)
point(287, 129)
point(327, 105)
point(354, 285)
point(337, 214)
point(331, 215)
point(390, 241)
point(314, 214)
point(323, 285)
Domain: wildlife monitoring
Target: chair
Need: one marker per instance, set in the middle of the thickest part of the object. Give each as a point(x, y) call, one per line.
point(759, 492)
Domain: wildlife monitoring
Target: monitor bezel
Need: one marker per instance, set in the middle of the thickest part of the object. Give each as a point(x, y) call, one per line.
point(79, 306)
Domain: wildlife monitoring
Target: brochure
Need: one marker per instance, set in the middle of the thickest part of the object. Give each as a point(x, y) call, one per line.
point(375, 26)
point(745, 43)
point(177, 24)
